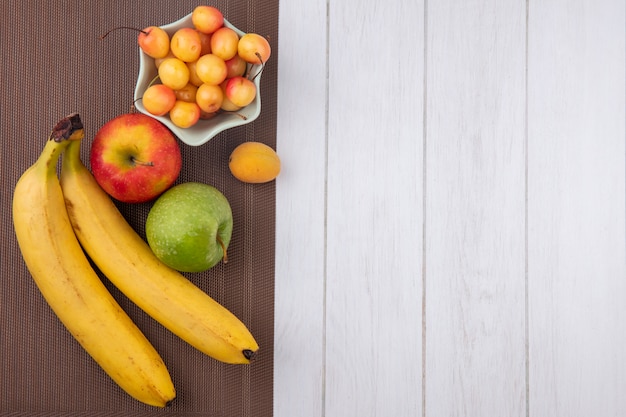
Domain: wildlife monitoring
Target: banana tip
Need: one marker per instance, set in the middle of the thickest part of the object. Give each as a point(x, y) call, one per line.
point(249, 354)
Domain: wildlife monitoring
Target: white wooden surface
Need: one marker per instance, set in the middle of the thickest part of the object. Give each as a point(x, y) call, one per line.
point(451, 215)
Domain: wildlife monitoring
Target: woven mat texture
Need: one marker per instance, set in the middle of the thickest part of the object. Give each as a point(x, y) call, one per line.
point(54, 64)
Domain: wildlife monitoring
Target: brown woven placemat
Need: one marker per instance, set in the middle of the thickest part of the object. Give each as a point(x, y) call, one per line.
point(53, 63)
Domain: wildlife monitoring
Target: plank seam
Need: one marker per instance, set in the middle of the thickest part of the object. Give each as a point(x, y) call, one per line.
point(424, 194)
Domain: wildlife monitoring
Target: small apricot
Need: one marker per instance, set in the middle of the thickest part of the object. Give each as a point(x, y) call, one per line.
point(254, 162)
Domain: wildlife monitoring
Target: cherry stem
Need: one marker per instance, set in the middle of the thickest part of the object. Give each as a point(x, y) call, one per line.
point(234, 113)
point(153, 80)
point(136, 161)
point(225, 257)
point(258, 55)
point(124, 27)
point(139, 98)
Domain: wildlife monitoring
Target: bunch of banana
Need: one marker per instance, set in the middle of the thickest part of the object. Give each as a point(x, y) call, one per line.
point(71, 287)
point(129, 263)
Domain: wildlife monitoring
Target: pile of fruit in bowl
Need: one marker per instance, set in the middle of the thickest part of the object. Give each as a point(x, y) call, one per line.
point(200, 75)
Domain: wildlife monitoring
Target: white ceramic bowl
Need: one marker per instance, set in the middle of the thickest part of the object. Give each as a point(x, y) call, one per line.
point(204, 130)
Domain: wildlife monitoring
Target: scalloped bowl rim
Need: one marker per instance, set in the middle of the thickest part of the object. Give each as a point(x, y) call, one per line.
point(204, 130)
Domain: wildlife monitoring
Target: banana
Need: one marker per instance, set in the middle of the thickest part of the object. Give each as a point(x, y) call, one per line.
point(70, 285)
point(129, 263)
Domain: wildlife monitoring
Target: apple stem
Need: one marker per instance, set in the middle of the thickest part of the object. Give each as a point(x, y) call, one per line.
point(225, 257)
point(136, 161)
point(124, 27)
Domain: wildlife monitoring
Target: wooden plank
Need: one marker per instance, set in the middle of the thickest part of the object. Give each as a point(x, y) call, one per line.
point(374, 219)
point(300, 210)
point(576, 208)
point(475, 209)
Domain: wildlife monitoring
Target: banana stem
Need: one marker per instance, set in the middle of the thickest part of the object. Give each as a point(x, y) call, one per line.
point(66, 128)
point(71, 156)
point(66, 131)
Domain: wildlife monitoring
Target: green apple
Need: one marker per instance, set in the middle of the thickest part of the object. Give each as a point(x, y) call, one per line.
point(189, 227)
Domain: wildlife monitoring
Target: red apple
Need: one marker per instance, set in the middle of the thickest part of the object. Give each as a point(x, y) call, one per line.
point(135, 158)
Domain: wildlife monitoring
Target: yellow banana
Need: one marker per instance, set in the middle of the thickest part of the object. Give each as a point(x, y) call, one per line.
point(69, 284)
point(129, 263)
